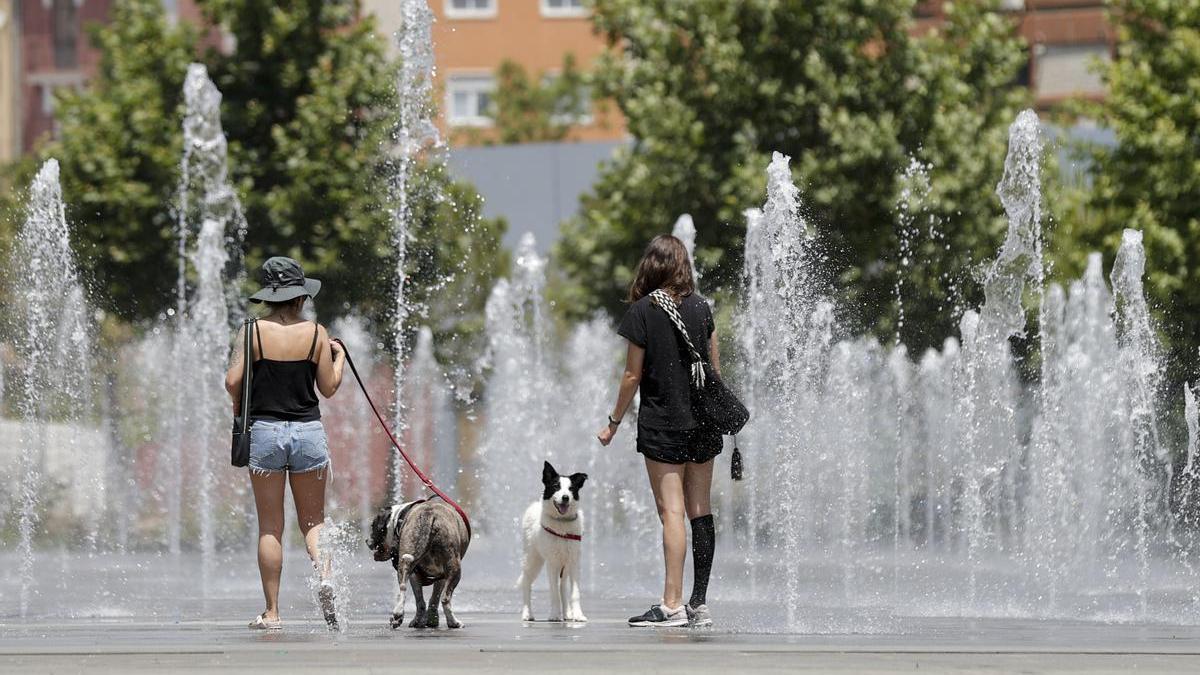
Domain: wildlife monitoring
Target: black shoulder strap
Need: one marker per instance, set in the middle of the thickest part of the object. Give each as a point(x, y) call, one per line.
point(312, 349)
point(254, 323)
point(247, 357)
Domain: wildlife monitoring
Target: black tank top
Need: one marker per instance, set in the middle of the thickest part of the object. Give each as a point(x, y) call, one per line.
point(284, 390)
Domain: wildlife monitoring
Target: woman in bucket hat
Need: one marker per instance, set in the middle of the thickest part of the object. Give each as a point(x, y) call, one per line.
point(293, 358)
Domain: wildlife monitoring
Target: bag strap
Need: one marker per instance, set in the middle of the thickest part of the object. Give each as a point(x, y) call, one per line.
point(659, 298)
point(247, 358)
point(312, 349)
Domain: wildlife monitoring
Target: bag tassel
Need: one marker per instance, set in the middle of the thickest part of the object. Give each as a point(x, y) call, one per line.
point(698, 374)
point(735, 463)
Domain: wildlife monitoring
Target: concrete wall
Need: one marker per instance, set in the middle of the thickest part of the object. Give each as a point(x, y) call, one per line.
point(535, 186)
point(75, 460)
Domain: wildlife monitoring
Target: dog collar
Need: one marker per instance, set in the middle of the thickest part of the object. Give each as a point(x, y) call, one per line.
point(560, 535)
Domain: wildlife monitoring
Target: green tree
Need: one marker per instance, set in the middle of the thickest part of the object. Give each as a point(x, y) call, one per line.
point(307, 98)
point(1150, 178)
point(850, 92)
point(454, 259)
point(529, 110)
point(119, 151)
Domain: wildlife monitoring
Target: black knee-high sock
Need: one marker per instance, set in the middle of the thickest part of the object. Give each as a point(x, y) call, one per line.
point(704, 543)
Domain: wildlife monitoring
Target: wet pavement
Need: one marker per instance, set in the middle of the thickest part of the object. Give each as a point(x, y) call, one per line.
point(495, 642)
point(156, 614)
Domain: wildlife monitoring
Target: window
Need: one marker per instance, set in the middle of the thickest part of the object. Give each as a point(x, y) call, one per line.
point(469, 100)
point(171, 9)
point(563, 8)
point(1067, 70)
point(470, 9)
point(569, 109)
point(66, 35)
point(47, 100)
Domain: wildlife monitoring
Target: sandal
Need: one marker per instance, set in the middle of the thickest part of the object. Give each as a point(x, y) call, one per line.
point(260, 622)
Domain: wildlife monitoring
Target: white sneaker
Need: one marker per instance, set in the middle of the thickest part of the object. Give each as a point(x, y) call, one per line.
point(698, 617)
point(659, 616)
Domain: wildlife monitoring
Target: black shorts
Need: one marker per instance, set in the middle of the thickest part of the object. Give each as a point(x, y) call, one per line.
point(677, 447)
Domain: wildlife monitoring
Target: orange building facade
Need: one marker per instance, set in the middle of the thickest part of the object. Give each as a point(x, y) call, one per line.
point(472, 38)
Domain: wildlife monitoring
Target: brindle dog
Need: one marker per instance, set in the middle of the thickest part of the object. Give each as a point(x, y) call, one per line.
point(426, 542)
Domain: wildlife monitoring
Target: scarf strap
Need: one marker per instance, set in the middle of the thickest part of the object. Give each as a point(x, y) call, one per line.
point(663, 301)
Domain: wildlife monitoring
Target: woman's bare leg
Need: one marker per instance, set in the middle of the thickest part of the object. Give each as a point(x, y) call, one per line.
point(667, 482)
point(268, 502)
point(308, 490)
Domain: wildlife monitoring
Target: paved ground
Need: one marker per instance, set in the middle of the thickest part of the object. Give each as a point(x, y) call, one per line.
point(494, 642)
point(156, 614)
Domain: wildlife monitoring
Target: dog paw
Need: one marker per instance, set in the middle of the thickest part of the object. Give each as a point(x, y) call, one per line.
point(527, 615)
point(417, 622)
point(397, 620)
point(579, 618)
point(454, 623)
point(432, 621)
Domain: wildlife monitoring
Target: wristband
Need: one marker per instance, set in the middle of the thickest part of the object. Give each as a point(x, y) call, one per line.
point(615, 423)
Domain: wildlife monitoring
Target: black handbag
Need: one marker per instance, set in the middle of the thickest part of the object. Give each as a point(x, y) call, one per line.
point(239, 449)
point(713, 405)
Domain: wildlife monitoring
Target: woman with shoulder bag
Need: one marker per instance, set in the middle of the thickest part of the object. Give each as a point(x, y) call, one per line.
point(291, 359)
point(678, 450)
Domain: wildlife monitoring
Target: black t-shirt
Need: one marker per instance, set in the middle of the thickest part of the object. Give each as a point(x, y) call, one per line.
point(666, 389)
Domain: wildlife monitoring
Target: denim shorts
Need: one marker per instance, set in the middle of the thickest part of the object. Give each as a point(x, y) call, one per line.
point(298, 447)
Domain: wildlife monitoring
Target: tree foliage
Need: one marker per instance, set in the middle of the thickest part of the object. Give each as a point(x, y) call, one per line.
point(850, 92)
point(119, 151)
point(308, 92)
point(528, 110)
point(1150, 178)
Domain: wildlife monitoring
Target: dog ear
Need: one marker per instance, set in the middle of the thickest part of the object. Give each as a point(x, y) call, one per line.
point(577, 480)
point(378, 526)
point(549, 475)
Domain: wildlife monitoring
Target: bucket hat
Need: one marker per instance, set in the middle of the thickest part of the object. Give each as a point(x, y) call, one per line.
point(283, 279)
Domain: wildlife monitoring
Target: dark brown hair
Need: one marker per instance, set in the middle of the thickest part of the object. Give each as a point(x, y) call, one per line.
point(665, 265)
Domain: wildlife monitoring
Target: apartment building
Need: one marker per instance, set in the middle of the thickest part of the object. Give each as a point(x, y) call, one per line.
point(1066, 40)
point(472, 38)
point(54, 52)
point(51, 50)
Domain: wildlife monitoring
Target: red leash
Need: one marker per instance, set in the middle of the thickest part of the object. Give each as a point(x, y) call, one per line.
point(420, 474)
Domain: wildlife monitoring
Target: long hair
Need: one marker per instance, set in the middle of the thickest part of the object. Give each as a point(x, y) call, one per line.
point(665, 265)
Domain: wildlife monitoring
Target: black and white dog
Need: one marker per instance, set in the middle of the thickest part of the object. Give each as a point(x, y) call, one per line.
point(425, 541)
point(552, 532)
